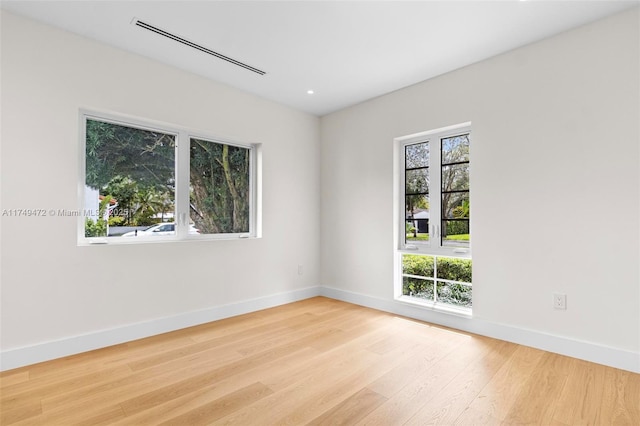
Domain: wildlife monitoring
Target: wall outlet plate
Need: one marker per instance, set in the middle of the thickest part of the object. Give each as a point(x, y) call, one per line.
point(559, 301)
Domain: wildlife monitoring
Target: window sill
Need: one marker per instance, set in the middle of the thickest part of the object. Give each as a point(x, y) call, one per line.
point(117, 241)
point(437, 307)
point(431, 251)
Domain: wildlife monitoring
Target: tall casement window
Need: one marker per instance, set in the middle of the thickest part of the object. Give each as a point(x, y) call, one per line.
point(148, 182)
point(434, 212)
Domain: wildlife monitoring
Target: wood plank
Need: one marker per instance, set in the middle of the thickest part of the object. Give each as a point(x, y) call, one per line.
point(439, 346)
point(300, 399)
point(166, 393)
point(221, 407)
point(22, 412)
point(114, 389)
point(423, 387)
point(13, 377)
point(199, 397)
point(451, 401)
point(497, 397)
point(536, 400)
point(228, 339)
point(581, 398)
point(88, 416)
point(351, 409)
point(328, 384)
point(620, 398)
point(347, 383)
point(472, 416)
point(28, 392)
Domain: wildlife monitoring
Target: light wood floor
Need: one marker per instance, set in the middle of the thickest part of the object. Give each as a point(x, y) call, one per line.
point(319, 362)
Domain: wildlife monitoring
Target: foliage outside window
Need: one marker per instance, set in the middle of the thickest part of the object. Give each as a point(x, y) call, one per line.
point(455, 191)
point(134, 174)
point(435, 215)
point(437, 279)
point(220, 184)
point(131, 171)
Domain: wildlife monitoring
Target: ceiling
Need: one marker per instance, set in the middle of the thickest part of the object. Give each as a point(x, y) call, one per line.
point(345, 51)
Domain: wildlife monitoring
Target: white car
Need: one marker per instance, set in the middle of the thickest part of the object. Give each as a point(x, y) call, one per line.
point(159, 229)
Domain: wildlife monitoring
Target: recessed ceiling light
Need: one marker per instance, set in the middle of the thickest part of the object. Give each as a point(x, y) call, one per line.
point(310, 92)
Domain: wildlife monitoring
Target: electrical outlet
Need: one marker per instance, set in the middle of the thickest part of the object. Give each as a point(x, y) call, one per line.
point(559, 301)
point(300, 270)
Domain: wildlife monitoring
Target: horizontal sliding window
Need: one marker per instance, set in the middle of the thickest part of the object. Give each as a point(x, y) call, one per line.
point(220, 187)
point(147, 182)
point(129, 180)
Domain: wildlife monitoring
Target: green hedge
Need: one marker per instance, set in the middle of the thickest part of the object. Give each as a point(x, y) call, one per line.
point(449, 268)
point(413, 264)
point(454, 269)
point(455, 227)
point(417, 288)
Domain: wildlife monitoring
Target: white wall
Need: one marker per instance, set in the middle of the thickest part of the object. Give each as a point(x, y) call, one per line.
point(52, 289)
point(554, 181)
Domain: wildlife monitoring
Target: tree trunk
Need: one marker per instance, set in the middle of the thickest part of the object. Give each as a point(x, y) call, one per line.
point(237, 201)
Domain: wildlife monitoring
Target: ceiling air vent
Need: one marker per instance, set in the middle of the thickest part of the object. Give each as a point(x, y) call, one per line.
point(195, 46)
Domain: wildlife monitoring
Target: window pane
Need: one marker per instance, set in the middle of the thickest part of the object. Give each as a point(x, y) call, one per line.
point(455, 233)
point(415, 287)
point(413, 264)
point(455, 149)
point(454, 269)
point(130, 179)
point(454, 294)
point(455, 177)
point(417, 181)
point(219, 187)
point(417, 217)
point(416, 155)
point(455, 205)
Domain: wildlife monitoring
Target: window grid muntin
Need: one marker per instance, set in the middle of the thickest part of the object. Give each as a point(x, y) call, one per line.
point(443, 193)
point(409, 218)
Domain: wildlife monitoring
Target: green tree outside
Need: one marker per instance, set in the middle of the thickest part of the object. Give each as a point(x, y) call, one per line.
point(137, 168)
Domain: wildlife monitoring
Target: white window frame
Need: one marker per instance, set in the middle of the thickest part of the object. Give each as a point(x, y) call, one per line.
point(182, 163)
point(434, 247)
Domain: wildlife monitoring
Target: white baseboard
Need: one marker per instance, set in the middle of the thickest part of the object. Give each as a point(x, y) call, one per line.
point(617, 358)
point(19, 357)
